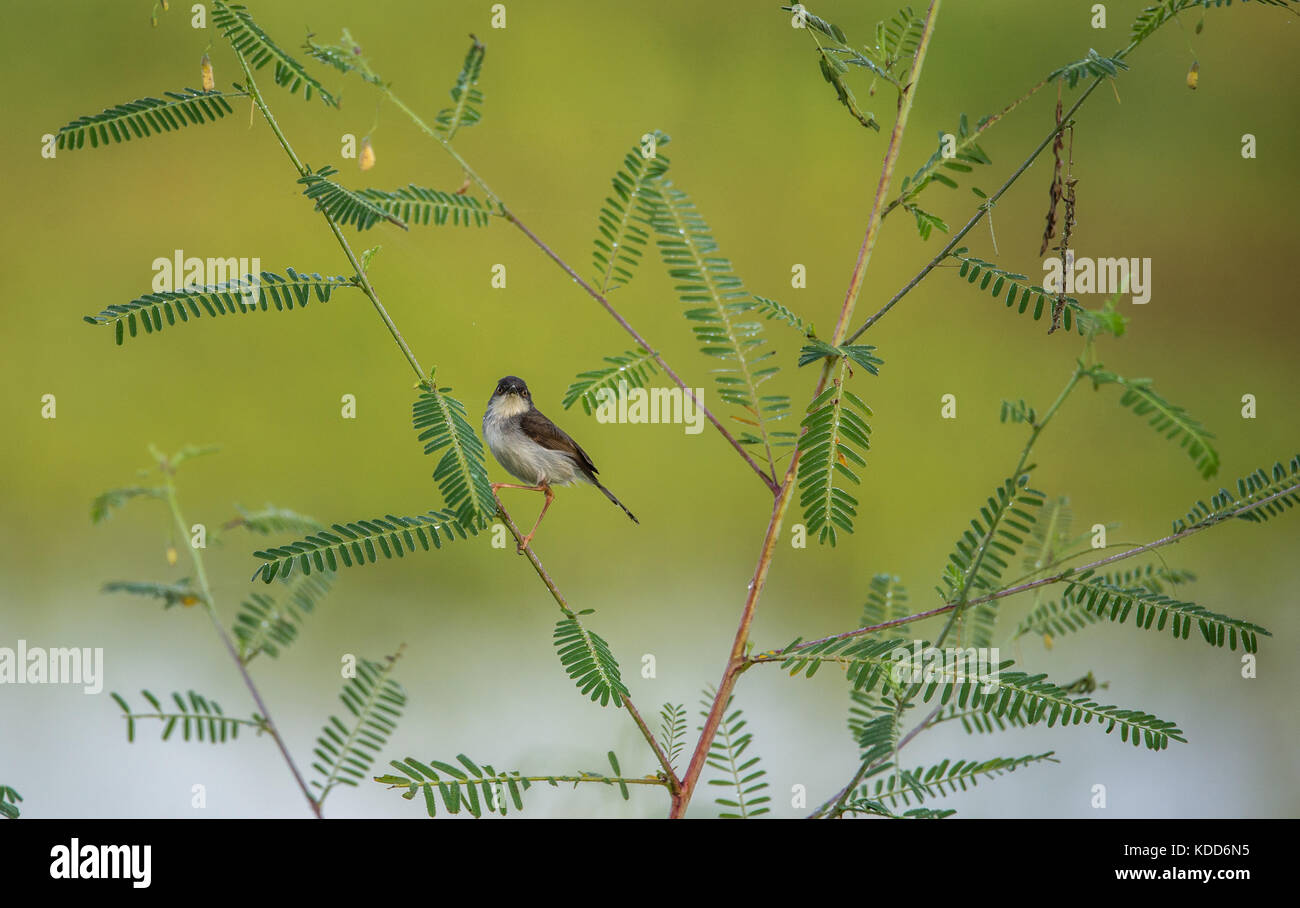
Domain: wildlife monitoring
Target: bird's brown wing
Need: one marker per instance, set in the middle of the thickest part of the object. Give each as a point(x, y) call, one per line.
point(549, 435)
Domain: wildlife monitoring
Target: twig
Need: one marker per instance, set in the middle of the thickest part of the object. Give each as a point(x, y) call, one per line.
point(984, 208)
point(201, 573)
point(361, 279)
point(782, 655)
point(671, 777)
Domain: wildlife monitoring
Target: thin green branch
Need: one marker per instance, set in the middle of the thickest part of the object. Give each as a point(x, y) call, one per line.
point(783, 654)
point(1037, 429)
point(362, 280)
point(671, 777)
point(985, 207)
point(169, 486)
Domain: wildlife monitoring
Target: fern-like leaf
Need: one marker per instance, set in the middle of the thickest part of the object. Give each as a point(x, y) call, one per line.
point(887, 600)
point(428, 207)
point(982, 552)
point(364, 208)
point(361, 541)
point(744, 776)
point(966, 156)
point(1092, 66)
point(1018, 412)
point(9, 801)
point(873, 723)
point(343, 205)
point(875, 808)
point(107, 502)
point(461, 473)
point(976, 721)
point(271, 520)
point(897, 38)
point(945, 778)
point(1281, 489)
point(837, 432)
point(863, 354)
point(1173, 422)
point(587, 659)
point(154, 311)
point(1050, 535)
point(178, 593)
point(346, 57)
point(465, 95)
point(771, 309)
point(268, 624)
point(633, 369)
point(199, 718)
point(628, 216)
point(473, 787)
point(345, 750)
point(248, 39)
point(146, 117)
point(926, 223)
point(1056, 618)
point(1102, 596)
point(672, 730)
point(1008, 695)
point(994, 280)
point(718, 304)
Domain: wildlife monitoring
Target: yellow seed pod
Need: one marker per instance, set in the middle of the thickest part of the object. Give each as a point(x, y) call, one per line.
point(1047, 641)
point(366, 159)
point(1193, 75)
point(205, 70)
point(171, 554)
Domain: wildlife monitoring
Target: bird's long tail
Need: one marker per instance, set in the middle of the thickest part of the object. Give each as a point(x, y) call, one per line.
point(610, 496)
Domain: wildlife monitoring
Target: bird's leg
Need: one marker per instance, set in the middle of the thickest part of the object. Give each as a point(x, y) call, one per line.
point(541, 487)
point(550, 496)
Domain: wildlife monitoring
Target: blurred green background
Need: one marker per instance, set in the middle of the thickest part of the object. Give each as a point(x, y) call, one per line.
point(784, 176)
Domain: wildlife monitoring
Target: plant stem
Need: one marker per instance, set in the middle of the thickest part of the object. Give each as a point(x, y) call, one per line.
point(671, 777)
point(201, 573)
point(736, 662)
point(973, 571)
point(886, 177)
point(361, 279)
point(985, 207)
point(782, 655)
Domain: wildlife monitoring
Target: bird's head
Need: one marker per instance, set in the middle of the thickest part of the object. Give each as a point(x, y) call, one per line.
point(510, 386)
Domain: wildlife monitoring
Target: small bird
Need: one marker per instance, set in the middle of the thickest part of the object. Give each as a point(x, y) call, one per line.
point(533, 449)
